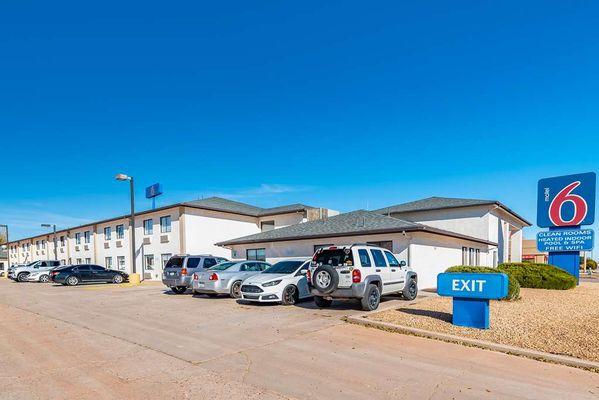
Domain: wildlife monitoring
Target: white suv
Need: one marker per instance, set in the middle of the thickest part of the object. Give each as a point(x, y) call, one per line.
point(359, 271)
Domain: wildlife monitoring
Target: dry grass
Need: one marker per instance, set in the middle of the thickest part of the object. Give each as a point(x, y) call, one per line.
point(562, 322)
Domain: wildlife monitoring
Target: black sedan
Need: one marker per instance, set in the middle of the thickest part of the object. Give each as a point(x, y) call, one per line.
point(72, 275)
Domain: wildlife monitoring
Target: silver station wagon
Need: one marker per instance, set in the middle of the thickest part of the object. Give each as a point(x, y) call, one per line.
point(226, 278)
point(179, 270)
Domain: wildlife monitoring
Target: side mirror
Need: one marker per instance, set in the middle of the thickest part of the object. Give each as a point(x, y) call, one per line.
point(402, 263)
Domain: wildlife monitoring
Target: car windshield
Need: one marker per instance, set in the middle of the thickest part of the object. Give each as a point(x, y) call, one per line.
point(334, 257)
point(284, 267)
point(222, 266)
point(174, 262)
point(31, 263)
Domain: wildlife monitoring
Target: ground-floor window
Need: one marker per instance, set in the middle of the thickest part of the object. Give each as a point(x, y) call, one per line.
point(108, 262)
point(385, 244)
point(149, 262)
point(88, 260)
point(120, 261)
point(477, 256)
point(256, 254)
point(164, 258)
point(78, 261)
point(470, 256)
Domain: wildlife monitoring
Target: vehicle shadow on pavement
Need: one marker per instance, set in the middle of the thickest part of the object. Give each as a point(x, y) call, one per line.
point(440, 315)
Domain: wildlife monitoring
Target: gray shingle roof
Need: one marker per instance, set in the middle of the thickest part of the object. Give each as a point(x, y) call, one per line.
point(220, 204)
point(358, 222)
point(438, 203)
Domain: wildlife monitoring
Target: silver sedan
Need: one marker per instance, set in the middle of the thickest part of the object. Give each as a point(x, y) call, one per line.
point(226, 278)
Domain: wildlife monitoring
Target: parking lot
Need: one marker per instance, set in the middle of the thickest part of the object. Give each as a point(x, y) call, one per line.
point(144, 342)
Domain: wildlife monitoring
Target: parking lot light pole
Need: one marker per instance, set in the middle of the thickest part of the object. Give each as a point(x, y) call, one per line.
point(53, 239)
point(7, 250)
point(122, 177)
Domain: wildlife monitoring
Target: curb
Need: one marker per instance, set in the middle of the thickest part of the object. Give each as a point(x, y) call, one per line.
point(502, 348)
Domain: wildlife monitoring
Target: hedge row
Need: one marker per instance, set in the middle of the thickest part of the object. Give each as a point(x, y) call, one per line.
point(539, 276)
point(513, 291)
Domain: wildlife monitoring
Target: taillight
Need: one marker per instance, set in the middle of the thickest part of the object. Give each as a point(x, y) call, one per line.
point(195, 277)
point(308, 276)
point(356, 276)
point(183, 271)
point(213, 277)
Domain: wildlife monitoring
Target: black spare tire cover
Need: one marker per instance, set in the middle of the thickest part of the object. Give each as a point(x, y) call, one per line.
point(325, 279)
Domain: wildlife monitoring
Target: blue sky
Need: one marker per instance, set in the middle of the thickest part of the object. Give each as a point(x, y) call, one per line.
point(346, 104)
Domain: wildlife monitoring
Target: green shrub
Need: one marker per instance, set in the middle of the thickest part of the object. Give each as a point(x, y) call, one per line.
point(513, 291)
point(539, 276)
point(591, 264)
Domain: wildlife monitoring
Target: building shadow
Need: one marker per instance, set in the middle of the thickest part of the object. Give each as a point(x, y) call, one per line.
point(440, 315)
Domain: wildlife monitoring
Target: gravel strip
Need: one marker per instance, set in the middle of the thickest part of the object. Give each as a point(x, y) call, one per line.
point(564, 322)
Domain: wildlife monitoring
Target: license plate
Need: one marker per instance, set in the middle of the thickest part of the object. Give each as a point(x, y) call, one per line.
point(201, 284)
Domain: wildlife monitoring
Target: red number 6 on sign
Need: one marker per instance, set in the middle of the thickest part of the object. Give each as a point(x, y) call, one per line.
point(565, 195)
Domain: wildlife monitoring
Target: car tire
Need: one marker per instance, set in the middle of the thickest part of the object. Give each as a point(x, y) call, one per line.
point(22, 276)
point(44, 279)
point(410, 291)
point(236, 290)
point(372, 298)
point(179, 289)
point(290, 295)
point(72, 280)
point(325, 279)
point(321, 302)
point(117, 279)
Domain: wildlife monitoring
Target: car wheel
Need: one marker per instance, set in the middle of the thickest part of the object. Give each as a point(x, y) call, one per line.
point(22, 276)
point(44, 278)
point(117, 278)
point(290, 295)
point(325, 279)
point(372, 298)
point(322, 302)
point(410, 291)
point(179, 289)
point(72, 281)
point(236, 290)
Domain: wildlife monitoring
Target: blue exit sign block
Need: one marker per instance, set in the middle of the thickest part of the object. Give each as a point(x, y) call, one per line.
point(472, 285)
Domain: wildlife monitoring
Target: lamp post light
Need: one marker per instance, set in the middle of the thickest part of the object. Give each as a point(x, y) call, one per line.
point(123, 177)
point(53, 239)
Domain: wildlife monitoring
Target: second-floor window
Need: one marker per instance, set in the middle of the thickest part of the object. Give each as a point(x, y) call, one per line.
point(37, 244)
point(62, 241)
point(43, 245)
point(78, 238)
point(148, 227)
point(120, 231)
point(165, 224)
point(86, 236)
point(107, 233)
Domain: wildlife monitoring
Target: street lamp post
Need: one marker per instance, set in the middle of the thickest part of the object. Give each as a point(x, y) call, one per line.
point(7, 251)
point(53, 239)
point(123, 177)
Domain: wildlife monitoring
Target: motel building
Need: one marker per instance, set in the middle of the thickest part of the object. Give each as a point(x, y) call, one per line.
point(430, 235)
point(184, 228)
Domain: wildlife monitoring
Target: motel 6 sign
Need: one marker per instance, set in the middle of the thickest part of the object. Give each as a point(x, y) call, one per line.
point(566, 201)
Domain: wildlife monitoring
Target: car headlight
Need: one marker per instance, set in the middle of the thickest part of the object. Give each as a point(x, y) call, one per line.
point(272, 283)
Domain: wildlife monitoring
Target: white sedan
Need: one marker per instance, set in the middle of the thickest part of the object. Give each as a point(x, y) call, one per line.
point(285, 282)
point(38, 276)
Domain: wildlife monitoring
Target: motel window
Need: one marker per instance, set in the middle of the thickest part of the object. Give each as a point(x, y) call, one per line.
point(165, 224)
point(43, 244)
point(149, 262)
point(78, 261)
point(88, 260)
point(379, 259)
point(120, 231)
point(63, 262)
point(477, 256)
point(108, 262)
point(120, 261)
point(37, 244)
point(148, 227)
point(471, 256)
point(320, 246)
point(164, 258)
point(78, 238)
point(364, 258)
point(62, 241)
point(256, 254)
point(107, 233)
point(464, 255)
point(86, 236)
point(267, 226)
point(385, 244)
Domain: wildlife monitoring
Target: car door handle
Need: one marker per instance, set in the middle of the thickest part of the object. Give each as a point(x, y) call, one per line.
point(377, 270)
point(393, 270)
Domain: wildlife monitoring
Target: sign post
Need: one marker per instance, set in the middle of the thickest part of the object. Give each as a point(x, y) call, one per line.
point(564, 203)
point(471, 293)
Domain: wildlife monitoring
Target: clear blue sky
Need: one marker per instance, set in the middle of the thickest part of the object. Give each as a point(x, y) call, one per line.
point(347, 104)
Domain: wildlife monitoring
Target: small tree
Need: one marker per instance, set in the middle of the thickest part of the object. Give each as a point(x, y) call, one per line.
point(591, 264)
